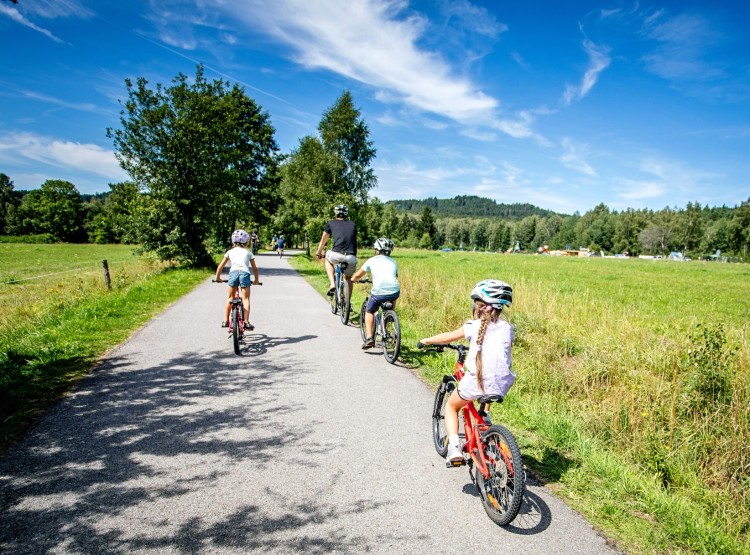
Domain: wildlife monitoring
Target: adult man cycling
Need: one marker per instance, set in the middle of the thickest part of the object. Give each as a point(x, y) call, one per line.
point(344, 249)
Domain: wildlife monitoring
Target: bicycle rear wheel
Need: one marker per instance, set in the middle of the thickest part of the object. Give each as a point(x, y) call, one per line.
point(235, 331)
point(345, 301)
point(391, 336)
point(439, 433)
point(502, 491)
point(335, 300)
point(362, 329)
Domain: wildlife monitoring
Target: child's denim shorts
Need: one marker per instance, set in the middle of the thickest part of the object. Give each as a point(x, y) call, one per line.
point(237, 277)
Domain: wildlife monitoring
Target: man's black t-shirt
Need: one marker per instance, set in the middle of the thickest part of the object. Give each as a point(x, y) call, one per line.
point(344, 234)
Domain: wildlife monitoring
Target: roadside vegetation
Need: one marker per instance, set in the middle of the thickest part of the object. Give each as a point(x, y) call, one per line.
point(57, 317)
point(632, 390)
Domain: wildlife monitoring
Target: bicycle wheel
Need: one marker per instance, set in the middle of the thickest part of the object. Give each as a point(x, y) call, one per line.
point(502, 492)
point(235, 332)
point(335, 300)
point(362, 313)
point(345, 302)
point(391, 336)
point(439, 433)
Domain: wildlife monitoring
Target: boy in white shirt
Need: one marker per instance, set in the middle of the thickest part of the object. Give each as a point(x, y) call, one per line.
point(385, 285)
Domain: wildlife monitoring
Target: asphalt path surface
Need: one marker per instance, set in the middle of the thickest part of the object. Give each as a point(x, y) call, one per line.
point(303, 444)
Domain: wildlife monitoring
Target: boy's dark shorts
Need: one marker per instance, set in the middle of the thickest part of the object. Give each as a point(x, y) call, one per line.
point(374, 302)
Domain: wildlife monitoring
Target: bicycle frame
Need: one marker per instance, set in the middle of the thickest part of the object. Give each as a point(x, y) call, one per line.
point(474, 423)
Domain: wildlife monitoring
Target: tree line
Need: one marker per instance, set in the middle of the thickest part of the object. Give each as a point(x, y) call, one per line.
point(203, 160)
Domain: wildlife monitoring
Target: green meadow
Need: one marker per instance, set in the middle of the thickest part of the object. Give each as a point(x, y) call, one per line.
point(633, 382)
point(57, 317)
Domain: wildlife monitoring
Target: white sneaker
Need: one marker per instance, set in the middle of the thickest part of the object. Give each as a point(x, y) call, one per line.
point(454, 453)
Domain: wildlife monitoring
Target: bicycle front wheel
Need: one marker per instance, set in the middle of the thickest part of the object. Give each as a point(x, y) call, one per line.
point(502, 491)
point(439, 433)
point(235, 332)
point(391, 336)
point(345, 302)
point(362, 313)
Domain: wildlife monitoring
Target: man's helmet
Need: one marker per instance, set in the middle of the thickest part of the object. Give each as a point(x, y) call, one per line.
point(240, 236)
point(341, 210)
point(493, 292)
point(384, 245)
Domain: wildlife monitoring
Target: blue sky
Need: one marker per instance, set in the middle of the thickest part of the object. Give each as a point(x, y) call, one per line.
point(564, 105)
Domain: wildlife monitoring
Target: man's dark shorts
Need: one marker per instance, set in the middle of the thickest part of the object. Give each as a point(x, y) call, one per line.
point(374, 302)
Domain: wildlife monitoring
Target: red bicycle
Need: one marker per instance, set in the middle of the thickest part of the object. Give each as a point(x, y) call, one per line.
point(490, 450)
point(237, 320)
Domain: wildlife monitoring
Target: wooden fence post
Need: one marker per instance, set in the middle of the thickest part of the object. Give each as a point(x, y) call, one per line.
point(105, 267)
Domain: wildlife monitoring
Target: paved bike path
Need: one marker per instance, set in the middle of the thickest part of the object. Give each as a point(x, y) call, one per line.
point(302, 444)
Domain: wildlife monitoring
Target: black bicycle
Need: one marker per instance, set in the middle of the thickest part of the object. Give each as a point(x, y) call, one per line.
point(386, 328)
point(341, 299)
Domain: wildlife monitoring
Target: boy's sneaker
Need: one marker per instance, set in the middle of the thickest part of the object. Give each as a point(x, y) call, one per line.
point(225, 324)
point(368, 344)
point(249, 326)
point(331, 291)
point(455, 454)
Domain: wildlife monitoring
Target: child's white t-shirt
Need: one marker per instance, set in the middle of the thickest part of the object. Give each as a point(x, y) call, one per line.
point(497, 376)
point(240, 259)
point(384, 275)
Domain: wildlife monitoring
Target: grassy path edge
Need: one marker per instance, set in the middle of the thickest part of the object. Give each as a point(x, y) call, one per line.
point(44, 359)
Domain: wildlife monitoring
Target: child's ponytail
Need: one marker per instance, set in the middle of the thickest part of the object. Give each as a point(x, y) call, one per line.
point(486, 315)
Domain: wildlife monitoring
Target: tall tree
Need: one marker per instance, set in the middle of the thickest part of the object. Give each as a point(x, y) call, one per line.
point(9, 201)
point(346, 137)
point(55, 208)
point(189, 146)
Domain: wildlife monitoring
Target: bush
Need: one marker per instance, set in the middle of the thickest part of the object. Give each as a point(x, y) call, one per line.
point(37, 238)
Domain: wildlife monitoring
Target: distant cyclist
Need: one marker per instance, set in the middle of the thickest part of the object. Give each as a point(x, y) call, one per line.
point(254, 241)
point(344, 249)
point(239, 274)
point(385, 286)
point(280, 244)
point(488, 364)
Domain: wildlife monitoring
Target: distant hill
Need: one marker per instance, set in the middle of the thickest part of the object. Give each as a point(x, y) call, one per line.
point(469, 207)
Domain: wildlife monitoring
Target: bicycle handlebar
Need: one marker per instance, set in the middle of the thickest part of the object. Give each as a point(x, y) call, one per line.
point(363, 281)
point(441, 348)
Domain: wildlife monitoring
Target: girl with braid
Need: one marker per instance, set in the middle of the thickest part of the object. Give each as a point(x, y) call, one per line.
point(488, 366)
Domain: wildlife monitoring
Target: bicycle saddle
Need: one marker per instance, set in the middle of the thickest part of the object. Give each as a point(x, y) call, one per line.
point(490, 399)
point(343, 265)
point(387, 305)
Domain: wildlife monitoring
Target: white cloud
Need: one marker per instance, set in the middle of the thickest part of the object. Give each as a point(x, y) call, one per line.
point(638, 190)
point(27, 148)
point(599, 60)
point(16, 16)
point(573, 158)
point(371, 41)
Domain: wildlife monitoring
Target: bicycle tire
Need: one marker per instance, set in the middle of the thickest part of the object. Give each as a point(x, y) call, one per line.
point(439, 433)
point(362, 329)
point(235, 332)
point(335, 300)
point(345, 302)
point(391, 336)
point(502, 493)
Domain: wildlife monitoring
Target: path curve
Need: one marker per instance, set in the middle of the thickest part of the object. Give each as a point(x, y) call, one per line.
point(302, 444)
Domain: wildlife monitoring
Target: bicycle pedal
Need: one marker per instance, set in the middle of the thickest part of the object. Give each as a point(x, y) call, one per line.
point(454, 464)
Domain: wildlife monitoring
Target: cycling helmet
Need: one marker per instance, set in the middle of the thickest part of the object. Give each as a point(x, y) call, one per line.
point(384, 245)
point(493, 292)
point(240, 236)
point(341, 210)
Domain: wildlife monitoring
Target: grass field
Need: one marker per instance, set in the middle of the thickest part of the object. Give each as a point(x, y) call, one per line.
point(54, 326)
point(633, 384)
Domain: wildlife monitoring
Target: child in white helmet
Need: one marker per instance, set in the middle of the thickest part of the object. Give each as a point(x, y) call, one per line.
point(241, 260)
point(488, 364)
